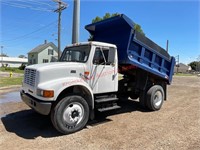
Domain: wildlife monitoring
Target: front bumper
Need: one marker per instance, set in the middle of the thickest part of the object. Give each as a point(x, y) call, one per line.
point(39, 106)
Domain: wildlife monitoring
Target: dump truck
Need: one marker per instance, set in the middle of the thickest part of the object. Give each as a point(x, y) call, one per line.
point(86, 79)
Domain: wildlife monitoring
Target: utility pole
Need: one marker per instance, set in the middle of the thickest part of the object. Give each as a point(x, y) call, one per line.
point(61, 7)
point(76, 21)
point(198, 64)
point(1, 56)
point(177, 63)
point(167, 45)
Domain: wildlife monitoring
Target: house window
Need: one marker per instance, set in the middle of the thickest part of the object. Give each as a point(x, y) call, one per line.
point(45, 60)
point(30, 61)
point(50, 51)
point(34, 61)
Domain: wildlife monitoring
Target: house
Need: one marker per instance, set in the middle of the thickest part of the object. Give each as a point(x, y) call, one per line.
point(14, 62)
point(181, 68)
point(44, 53)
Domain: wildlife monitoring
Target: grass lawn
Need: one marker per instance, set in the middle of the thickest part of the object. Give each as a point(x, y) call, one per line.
point(8, 69)
point(6, 81)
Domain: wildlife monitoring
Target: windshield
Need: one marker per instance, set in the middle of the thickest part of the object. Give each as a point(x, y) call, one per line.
point(76, 54)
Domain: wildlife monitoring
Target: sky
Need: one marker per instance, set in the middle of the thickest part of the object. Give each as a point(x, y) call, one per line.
point(25, 24)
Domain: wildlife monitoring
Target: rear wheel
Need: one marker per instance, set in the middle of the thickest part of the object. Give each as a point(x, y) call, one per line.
point(155, 97)
point(70, 114)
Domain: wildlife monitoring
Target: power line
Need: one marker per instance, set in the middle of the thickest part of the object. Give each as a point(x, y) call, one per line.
point(23, 36)
point(23, 22)
point(36, 2)
point(29, 4)
point(26, 6)
point(33, 2)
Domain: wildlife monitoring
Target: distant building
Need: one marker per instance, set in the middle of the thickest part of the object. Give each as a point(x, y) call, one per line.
point(44, 53)
point(14, 62)
point(182, 68)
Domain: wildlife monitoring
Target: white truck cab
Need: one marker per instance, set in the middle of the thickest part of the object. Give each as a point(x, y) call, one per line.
point(66, 89)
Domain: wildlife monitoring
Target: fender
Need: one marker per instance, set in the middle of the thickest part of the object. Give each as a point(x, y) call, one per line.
point(61, 84)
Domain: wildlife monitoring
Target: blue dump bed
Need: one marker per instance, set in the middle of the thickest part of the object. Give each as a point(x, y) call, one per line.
point(133, 47)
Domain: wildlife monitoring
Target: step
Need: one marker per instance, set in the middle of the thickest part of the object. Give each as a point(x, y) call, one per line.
point(108, 108)
point(103, 100)
point(105, 96)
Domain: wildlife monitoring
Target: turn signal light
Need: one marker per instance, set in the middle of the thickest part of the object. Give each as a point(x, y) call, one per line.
point(86, 73)
point(48, 93)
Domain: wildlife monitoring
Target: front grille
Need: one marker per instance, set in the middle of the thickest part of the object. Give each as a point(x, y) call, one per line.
point(29, 77)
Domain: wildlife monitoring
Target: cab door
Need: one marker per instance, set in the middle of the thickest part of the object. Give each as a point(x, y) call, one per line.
point(104, 76)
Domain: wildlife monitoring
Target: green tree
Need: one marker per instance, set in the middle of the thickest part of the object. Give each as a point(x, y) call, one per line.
point(137, 27)
point(115, 14)
point(21, 56)
point(97, 19)
point(106, 16)
point(195, 65)
point(4, 55)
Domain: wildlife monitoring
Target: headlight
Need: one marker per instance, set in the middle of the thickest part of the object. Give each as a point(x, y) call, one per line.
point(45, 93)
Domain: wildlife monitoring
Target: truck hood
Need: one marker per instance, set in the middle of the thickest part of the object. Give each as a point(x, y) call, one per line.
point(45, 66)
point(55, 71)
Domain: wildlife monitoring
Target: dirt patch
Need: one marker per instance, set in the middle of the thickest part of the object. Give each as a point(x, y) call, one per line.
point(8, 89)
point(175, 126)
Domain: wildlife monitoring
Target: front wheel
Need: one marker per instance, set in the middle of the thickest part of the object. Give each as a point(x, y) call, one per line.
point(70, 114)
point(155, 97)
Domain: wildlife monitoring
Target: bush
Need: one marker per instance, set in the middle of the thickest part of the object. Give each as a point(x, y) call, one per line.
point(10, 69)
point(22, 67)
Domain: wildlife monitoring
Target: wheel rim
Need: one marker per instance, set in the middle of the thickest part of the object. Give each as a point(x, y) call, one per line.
point(73, 114)
point(158, 98)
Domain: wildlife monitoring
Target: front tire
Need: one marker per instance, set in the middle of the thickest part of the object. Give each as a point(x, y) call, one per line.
point(70, 114)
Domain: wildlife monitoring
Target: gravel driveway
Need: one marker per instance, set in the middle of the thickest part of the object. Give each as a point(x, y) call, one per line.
point(175, 127)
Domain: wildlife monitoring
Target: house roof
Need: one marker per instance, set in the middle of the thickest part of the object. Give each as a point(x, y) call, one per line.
point(182, 65)
point(41, 47)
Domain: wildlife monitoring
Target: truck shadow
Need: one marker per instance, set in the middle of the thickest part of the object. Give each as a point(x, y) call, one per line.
point(127, 106)
point(29, 125)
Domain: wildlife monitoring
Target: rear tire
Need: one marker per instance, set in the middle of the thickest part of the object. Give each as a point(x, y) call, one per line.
point(70, 114)
point(155, 97)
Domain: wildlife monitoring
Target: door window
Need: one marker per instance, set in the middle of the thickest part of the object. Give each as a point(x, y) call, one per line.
point(104, 56)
